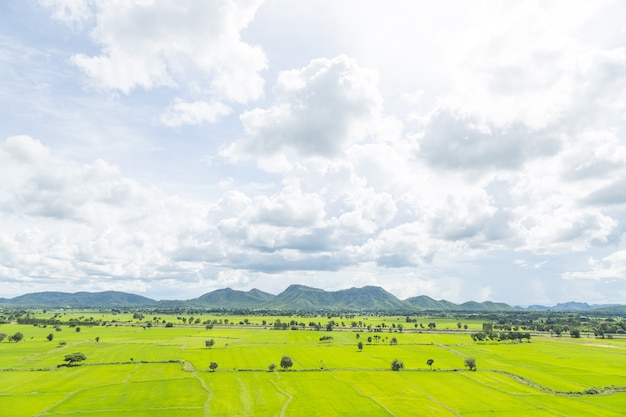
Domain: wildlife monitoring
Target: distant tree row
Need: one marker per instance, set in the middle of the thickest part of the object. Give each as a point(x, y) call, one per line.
point(501, 336)
point(15, 337)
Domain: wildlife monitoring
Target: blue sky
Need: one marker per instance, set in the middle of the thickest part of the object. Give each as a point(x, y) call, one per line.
point(461, 150)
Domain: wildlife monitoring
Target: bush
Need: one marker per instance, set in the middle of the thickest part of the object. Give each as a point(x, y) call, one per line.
point(470, 363)
point(396, 365)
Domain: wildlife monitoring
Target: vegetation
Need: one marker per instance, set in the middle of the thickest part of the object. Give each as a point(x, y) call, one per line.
point(74, 358)
point(396, 365)
point(470, 363)
point(551, 376)
point(16, 337)
point(286, 362)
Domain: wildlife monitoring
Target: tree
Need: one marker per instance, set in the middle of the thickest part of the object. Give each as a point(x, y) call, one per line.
point(73, 358)
point(3, 336)
point(77, 329)
point(17, 337)
point(430, 362)
point(209, 343)
point(393, 341)
point(286, 362)
point(470, 363)
point(396, 365)
point(213, 366)
point(575, 333)
point(97, 339)
point(360, 345)
point(272, 367)
point(50, 337)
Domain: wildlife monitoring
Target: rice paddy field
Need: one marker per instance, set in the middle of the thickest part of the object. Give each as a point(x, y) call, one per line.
point(133, 369)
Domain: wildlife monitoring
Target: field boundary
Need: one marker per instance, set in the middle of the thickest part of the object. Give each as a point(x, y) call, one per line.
point(610, 390)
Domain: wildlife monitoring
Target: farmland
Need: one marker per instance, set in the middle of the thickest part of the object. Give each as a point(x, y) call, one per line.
point(133, 368)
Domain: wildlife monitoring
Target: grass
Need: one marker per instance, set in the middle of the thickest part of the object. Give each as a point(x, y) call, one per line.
point(162, 371)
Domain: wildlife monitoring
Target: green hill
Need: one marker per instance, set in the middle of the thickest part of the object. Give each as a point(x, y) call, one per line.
point(424, 302)
point(294, 297)
point(82, 299)
point(228, 298)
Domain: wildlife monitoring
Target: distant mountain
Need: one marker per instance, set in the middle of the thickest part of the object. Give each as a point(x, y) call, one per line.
point(484, 306)
point(613, 309)
point(301, 297)
point(368, 298)
point(294, 297)
point(228, 298)
point(573, 306)
point(424, 302)
point(82, 299)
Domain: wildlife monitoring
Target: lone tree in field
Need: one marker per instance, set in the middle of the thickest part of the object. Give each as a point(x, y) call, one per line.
point(213, 366)
point(430, 362)
point(50, 337)
point(393, 341)
point(396, 365)
point(271, 367)
point(360, 346)
point(286, 362)
point(209, 343)
point(470, 363)
point(74, 358)
point(17, 337)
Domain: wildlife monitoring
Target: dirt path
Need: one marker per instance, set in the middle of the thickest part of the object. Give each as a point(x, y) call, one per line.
point(209, 396)
point(283, 410)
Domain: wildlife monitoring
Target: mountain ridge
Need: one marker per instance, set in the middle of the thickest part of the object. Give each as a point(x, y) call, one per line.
point(294, 297)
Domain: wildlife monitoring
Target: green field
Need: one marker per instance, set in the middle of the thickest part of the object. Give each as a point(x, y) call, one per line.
point(156, 371)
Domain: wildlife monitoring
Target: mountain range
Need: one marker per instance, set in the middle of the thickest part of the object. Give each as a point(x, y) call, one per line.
point(295, 297)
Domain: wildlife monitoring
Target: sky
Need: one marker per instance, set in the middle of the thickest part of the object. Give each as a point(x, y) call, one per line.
point(460, 150)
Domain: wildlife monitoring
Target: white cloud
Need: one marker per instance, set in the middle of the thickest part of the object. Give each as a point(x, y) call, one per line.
point(610, 267)
point(85, 224)
point(24, 149)
point(443, 143)
point(194, 48)
point(460, 142)
point(320, 110)
point(182, 112)
point(72, 12)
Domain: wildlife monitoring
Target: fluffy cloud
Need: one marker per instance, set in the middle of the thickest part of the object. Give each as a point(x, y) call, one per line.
point(320, 110)
point(460, 142)
point(510, 146)
point(610, 267)
point(185, 113)
point(73, 12)
point(191, 47)
point(85, 224)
